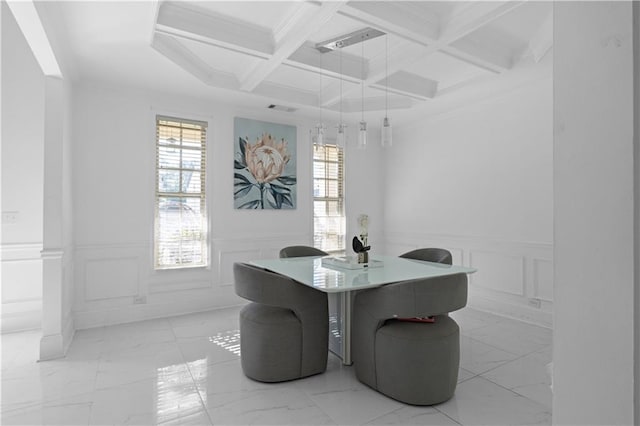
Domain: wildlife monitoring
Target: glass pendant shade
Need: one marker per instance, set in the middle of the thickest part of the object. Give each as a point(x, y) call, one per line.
point(320, 134)
point(341, 137)
point(362, 135)
point(386, 136)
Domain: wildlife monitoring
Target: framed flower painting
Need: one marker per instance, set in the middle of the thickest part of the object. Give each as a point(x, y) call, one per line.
point(264, 165)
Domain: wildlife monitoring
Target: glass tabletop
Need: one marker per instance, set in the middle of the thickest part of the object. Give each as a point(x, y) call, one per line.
point(333, 279)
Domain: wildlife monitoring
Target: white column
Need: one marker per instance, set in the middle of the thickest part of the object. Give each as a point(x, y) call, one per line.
point(52, 344)
point(594, 192)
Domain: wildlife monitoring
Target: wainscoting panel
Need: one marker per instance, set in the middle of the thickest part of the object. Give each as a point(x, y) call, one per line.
point(228, 251)
point(497, 271)
point(111, 278)
point(109, 275)
point(514, 278)
point(228, 258)
point(116, 283)
point(542, 276)
point(21, 287)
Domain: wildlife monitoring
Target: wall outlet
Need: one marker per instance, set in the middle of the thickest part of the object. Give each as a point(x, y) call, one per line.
point(139, 300)
point(535, 303)
point(9, 217)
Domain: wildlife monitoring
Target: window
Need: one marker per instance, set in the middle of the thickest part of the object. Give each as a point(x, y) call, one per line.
point(328, 198)
point(180, 238)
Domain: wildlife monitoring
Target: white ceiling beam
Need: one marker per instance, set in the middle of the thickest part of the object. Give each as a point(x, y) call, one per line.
point(26, 15)
point(409, 84)
point(307, 57)
point(390, 18)
point(303, 23)
point(286, 94)
point(189, 21)
point(467, 20)
point(542, 40)
point(490, 58)
point(173, 50)
point(476, 15)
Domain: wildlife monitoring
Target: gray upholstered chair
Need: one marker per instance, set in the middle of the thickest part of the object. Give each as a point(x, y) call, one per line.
point(438, 255)
point(284, 332)
point(398, 353)
point(301, 251)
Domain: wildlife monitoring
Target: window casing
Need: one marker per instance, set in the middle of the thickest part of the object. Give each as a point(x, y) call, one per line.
point(180, 225)
point(328, 198)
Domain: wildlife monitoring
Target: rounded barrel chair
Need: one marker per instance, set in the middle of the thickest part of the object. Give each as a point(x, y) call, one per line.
point(301, 251)
point(438, 255)
point(411, 361)
point(284, 331)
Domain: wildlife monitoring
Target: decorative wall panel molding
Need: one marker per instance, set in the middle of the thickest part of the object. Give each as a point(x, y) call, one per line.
point(21, 251)
point(116, 283)
point(108, 275)
point(514, 278)
point(498, 271)
point(111, 278)
point(21, 287)
point(227, 251)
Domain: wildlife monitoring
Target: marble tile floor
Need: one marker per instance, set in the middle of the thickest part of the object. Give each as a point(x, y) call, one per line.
point(186, 370)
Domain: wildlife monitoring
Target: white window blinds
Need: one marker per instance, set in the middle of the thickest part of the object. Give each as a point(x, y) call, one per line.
point(328, 198)
point(180, 238)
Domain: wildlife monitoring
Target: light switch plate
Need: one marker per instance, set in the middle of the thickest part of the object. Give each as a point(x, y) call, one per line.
point(9, 217)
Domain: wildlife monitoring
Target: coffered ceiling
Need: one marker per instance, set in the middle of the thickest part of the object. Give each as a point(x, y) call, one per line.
point(264, 52)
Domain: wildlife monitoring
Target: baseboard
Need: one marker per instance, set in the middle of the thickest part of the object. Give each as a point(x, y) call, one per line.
point(21, 321)
point(157, 308)
point(535, 316)
point(513, 278)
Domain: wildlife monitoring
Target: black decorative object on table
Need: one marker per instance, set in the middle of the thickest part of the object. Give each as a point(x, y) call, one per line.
point(361, 250)
point(360, 245)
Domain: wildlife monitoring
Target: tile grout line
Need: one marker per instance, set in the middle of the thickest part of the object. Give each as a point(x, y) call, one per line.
point(193, 380)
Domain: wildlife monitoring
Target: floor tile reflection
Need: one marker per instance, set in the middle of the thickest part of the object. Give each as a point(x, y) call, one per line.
point(186, 370)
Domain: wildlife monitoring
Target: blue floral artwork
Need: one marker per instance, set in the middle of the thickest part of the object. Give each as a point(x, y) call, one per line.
point(264, 165)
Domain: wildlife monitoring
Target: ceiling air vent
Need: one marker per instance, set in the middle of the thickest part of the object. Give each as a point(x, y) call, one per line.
point(281, 108)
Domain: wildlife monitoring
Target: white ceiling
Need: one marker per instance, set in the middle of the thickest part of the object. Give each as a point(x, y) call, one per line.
point(440, 53)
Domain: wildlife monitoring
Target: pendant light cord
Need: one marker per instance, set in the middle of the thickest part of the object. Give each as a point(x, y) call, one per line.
point(340, 86)
point(320, 96)
point(362, 76)
point(386, 80)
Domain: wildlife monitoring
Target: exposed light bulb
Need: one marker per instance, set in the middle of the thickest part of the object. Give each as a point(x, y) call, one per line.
point(362, 135)
point(341, 137)
point(386, 137)
point(320, 134)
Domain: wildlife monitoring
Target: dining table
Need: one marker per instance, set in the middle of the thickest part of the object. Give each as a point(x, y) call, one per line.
point(342, 276)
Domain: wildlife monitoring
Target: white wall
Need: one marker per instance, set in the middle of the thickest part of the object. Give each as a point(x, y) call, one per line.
point(478, 181)
point(593, 347)
point(22, 179)
point(113, 166)
point(636, 108)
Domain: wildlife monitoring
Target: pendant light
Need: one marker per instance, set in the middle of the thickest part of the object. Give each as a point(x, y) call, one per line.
point(319, 130)
point(362, 133)
point(341, 137)
point(386, 138)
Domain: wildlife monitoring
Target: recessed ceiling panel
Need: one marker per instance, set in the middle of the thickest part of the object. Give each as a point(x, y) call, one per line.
point(510, 34)
point(267, 14)
point(444, 10)
point(522, 23)
point(444, 69)
point(221, 59)
point(111, 41)
point(302, 80)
